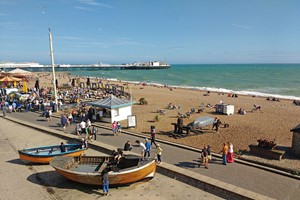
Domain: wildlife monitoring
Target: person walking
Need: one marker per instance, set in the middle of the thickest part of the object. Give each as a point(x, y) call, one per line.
point(63, 121)
point(148, 148)
point(119, 127)
point(214, 123)
point(159, 153)
point(224, 152)
point(143, 148)
point(209, 153)
point(230, 153)
point(153, 134)
point(204, 156)
point(105, 180)
point(114, 127)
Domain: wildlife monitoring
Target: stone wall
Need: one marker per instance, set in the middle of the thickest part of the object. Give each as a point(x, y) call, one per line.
point(296, 144)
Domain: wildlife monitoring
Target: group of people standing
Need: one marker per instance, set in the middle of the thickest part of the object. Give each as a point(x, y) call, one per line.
point(227, 154)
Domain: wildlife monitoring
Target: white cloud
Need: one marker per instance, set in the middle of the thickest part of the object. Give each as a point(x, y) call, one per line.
point(241, 26)
point(83, 8)
point(95, 3)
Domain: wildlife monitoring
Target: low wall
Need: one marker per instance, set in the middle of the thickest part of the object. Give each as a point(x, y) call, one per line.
point(272, 154)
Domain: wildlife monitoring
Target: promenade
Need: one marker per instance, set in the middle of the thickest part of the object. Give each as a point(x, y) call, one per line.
point(263, 182)
point(20, 181)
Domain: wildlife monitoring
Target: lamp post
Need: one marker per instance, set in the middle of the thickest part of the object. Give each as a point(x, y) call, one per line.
point(53, 71)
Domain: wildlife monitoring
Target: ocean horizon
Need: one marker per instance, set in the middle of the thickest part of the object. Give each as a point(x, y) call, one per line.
point(265, 80)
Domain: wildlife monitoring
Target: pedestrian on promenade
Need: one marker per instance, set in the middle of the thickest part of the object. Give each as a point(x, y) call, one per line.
point(209, 153)
point(230, 154)
point(148, 148)
point(153, 134)
point(224, 152)
point(84, 143)
point(119, 127)
point(105, 180)
point(114, 127)
point(47, 115)
point(63, 121)
point(159, 153)
point(204, 156)
point(143, 148)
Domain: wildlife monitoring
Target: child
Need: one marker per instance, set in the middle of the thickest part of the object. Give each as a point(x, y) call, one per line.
point(119, 127)
point(158, 152)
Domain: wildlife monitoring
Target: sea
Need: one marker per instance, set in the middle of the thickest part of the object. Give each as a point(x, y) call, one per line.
point(266, 80)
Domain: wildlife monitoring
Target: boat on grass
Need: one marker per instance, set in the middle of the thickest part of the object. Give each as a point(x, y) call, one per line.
point(87, 169)
point(44, 154)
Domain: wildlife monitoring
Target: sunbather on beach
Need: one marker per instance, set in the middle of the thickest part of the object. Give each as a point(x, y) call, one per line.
point(257, 107)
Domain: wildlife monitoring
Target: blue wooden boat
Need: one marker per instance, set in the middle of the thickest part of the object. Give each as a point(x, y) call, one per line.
point(44, 154)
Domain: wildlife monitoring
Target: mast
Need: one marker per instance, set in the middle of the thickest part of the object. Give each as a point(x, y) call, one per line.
point(53, 71)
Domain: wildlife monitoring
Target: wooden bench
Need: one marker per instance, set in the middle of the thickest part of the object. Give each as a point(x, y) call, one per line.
point(101, 167)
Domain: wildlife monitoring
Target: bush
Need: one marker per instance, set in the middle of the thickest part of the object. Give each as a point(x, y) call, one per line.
point(157, 118)
point(143, 101)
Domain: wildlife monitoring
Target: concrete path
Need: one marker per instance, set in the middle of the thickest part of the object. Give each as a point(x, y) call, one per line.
point(253, 179)
point(20, 181)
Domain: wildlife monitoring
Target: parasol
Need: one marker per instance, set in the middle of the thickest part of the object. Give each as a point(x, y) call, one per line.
point(9, 79)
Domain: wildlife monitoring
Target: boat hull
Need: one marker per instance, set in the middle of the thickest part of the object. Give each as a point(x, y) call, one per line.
point(121, 177)
point(27, 156)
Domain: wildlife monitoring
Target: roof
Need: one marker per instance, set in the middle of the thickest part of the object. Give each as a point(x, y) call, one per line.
point(19, 71)
point(111, 102)
point(296, 129)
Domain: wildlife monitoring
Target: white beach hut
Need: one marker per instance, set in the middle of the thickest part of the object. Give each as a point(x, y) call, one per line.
point(112, 109)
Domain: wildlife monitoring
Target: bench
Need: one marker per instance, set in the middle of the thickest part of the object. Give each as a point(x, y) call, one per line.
point(101, 167)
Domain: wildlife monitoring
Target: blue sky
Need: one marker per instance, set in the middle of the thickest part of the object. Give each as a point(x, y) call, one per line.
point(178, 31)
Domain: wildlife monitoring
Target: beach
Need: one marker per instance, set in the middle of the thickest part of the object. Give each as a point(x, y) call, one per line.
point(274, 122)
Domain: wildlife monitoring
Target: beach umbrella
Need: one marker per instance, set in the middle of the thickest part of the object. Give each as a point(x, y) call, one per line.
point(7, 79)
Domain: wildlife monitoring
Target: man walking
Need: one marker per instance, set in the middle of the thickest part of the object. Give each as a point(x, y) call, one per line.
point(153, 133)
point(224, 152)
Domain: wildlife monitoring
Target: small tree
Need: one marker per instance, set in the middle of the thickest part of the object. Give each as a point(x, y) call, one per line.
point(143, 101)
point(157, 118)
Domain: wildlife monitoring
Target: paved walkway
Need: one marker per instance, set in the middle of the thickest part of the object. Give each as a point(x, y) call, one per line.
point(20, 181)
point(253, 179)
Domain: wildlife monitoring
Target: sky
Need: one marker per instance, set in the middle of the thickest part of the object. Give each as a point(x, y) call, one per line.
point(176, 31)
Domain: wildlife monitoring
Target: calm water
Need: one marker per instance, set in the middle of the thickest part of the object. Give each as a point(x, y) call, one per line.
point(276, 80)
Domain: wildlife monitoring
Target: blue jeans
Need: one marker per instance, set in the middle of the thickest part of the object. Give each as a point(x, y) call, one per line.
point(224, 159)
point(105, 185)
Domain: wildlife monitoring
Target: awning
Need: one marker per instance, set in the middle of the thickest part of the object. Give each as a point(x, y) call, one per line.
point(111, 102)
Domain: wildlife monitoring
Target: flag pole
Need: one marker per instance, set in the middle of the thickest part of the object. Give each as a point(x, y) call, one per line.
point(53, 71)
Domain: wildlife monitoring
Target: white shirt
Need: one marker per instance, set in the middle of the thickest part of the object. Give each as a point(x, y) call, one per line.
point(83, 124)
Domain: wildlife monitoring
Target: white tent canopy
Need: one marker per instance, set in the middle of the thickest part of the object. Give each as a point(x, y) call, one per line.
point(111, 102)
point(19, 71)
point(119, 109)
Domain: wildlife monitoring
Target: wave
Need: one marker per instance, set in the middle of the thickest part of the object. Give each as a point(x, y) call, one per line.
point(217, 90)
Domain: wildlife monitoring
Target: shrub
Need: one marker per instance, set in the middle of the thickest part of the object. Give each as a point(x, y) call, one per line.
point(157, 118)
